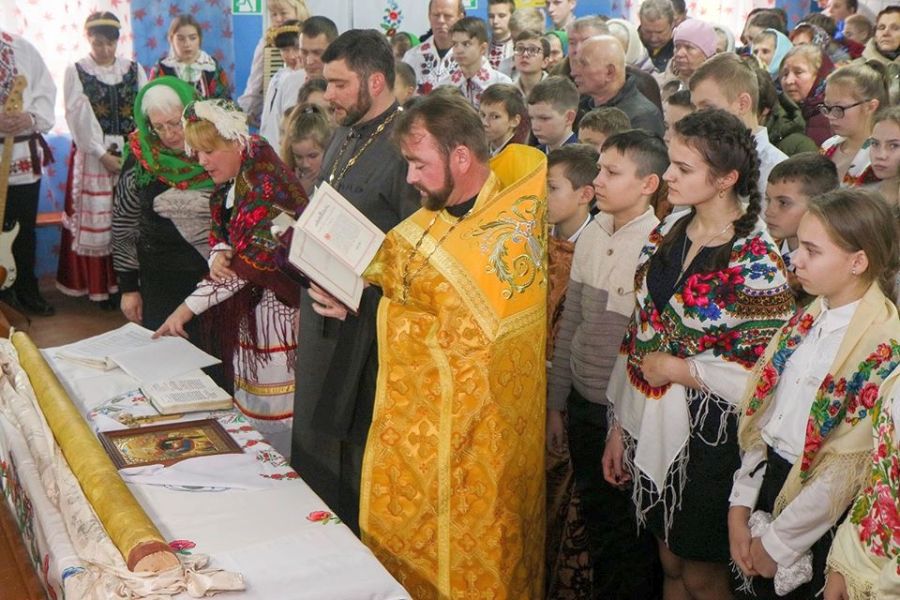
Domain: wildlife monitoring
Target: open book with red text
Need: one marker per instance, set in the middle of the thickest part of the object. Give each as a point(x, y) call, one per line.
point(333, 243)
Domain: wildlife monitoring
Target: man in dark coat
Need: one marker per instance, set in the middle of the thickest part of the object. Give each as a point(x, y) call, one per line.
point(337, 360)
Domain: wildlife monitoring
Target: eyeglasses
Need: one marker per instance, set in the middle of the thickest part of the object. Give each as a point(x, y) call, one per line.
point(527, 50)
point(837, 111)
point(162, 128)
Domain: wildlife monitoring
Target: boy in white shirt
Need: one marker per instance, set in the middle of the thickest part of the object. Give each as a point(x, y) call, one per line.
point(472, 73)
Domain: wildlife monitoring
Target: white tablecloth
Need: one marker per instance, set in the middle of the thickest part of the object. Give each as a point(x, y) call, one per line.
point(281, 537)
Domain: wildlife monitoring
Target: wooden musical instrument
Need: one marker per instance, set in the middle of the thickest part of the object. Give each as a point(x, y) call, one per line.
point(14, 103)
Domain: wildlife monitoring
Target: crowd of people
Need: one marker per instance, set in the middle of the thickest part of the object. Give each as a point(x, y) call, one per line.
point(687, 243)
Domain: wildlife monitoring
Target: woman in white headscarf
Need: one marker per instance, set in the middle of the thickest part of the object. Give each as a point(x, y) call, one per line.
point(635, 52)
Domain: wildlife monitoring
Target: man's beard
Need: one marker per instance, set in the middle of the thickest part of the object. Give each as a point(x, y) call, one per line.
point(358, 110)
point(437, 200)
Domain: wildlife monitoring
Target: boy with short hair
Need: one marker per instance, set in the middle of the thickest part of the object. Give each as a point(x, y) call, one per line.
point(531, 53)
point(404, 82)
point(472, 73)
point(599, 303)
point(552, 106)
point(792, 184)
point(600, 123)
point(499, 13)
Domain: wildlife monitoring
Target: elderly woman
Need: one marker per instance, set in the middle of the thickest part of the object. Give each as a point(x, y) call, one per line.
point(160, 222)
point(250, 304)
point(695, 41)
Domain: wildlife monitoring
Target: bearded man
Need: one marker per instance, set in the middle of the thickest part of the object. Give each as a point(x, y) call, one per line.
point(453, 489)
point(336, 360)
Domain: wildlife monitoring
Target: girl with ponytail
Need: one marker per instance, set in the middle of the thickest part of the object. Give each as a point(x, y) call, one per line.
point(710, 291)
point(853, 94)
point(806, 421)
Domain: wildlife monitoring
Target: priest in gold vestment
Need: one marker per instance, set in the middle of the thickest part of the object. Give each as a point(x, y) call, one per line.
point(453, 477)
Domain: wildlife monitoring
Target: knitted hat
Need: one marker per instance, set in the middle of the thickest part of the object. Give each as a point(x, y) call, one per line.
point(697, 33)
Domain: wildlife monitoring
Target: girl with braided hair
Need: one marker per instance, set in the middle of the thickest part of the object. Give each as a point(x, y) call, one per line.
point(710, 292)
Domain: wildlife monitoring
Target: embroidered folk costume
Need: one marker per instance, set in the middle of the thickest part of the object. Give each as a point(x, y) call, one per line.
point(720, 320)
point(428, 65)
point(866, 548)
point(99, 104)
point(252, 314)
point(473, 87)
point(30, 152)
point(452, 496)
point(205, 74)
point(860, 171)
point(832, 463)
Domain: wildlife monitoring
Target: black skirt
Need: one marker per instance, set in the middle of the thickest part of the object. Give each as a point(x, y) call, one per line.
point(777, 469)
point(699, 529)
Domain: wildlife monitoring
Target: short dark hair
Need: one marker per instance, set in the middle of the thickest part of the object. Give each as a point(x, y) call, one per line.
point(405, 73)
point(645, 149)
point(451, 119)
point(512, 4)
point(513, 103)
point(579, 163)
point(823, 21)
point(815, 173)
point(472, 27)
point(683, 98)
point(853, 6)
point(288, 39)
point(319, 25)
point(527, 35)
point(309, 87)
point(679, 6)
point(768, 19)
point(559, 92)
point(608, 120)
point(366, 52)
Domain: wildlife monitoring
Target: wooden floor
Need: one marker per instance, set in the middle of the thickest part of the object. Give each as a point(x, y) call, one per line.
point(75, 319)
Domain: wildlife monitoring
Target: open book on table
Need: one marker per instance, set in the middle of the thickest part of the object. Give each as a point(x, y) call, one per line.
point(191, 392)
point(333, 243)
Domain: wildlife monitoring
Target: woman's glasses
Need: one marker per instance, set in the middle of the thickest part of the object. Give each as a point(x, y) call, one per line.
point(163, 128)
point(837, 111)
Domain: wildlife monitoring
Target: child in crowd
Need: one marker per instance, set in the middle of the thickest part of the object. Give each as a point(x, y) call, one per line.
point(599, 303)
point(711, 292)
point(675, 107)
point(600, 123)
point(858, 28)
point(472, 73)
point(313, 92)
point(884, 151)
point(284, 87)
point(792, 184)
point(552, 106)
point(403, 41)
point(531, 51)
point(188, 62)
point(280, 11)
point(524, 19)
point(853, 94)
point(499, 13)
point(806, 426)
point(504, 116)
point(404, 81)
point(561, 13)
point(307, 133)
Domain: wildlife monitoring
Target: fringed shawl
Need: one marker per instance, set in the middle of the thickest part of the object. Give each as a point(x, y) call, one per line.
point(866, 549)
point(723, 321)
point(263, 189)
point(868, 353)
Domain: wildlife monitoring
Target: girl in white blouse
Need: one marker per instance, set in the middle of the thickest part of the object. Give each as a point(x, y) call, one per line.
point(100, 90)
point(805, 427)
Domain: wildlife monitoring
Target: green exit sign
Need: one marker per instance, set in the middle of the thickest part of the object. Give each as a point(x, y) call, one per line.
point(247, 7)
